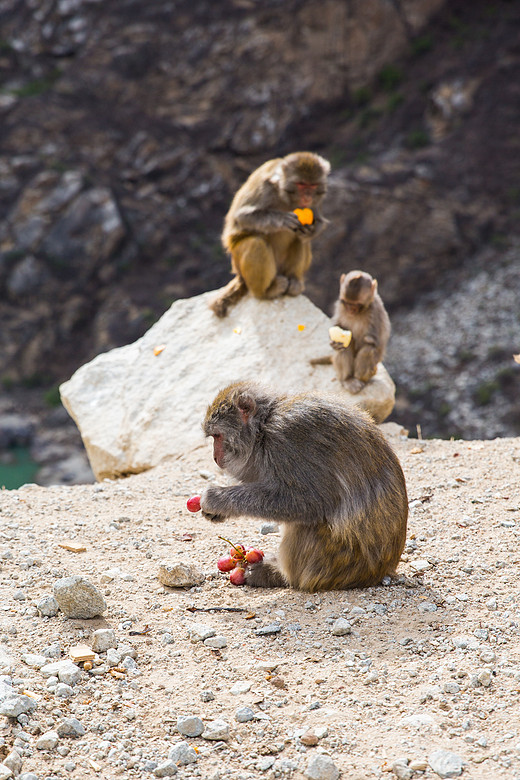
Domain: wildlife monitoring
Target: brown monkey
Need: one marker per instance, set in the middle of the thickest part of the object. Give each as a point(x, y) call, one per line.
point(321, 468)
point(359, 309)
point(270, 248)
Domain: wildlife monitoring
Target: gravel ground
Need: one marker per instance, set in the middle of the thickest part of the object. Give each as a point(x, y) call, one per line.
point(416, 679)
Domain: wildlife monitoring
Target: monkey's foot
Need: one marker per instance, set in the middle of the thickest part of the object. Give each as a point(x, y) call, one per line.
point(278, 287)
point(295, 287)
point(353, 385)
point(219, 307)
point(265, 575)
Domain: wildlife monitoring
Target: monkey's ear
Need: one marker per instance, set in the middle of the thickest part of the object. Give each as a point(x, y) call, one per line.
point(342, 278)
point(246, 406)
point(374, 287)
point(325, 164)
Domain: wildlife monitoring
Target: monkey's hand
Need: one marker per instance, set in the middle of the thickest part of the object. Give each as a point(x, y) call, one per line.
point(209, 509)
point(337, 345)
point(290, 221)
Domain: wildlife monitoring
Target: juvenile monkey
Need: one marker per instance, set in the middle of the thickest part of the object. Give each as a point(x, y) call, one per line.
point(270, 248)
point(321, 468)
point(359, 309)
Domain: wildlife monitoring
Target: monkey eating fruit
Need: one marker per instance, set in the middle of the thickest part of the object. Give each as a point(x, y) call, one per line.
point(269, 228)
point(322, 469)
point(340, 336)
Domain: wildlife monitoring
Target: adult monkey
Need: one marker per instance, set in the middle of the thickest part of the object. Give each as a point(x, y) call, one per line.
point(270, 248)
point(321, 468)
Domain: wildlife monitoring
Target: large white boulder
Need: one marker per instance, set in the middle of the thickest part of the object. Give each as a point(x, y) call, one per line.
point(138, 404)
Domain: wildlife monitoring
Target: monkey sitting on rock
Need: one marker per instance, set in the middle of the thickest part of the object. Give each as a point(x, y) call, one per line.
point(360, 310)
point(270, 245)
point(321, 468)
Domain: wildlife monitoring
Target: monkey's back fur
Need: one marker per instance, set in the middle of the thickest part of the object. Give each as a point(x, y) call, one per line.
point(326, 472)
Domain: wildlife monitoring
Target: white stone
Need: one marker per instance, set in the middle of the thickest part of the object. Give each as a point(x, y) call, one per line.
point(216, 730)
point(341, 627)
point(241, 686)
point(182, 754)
point(445, 764)
point(66, 671)
point(190, 726)
point(127, 402)
point(48, 741)
point(200, 632)
point(216, 642)
point(322, 767)
point(103, 639)
point(179, 574)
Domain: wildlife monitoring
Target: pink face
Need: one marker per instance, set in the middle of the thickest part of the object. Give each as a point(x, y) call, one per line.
point(305, 194)
point(218, 449)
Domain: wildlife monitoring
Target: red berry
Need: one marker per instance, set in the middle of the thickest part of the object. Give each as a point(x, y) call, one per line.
point(226, 564)
point(193, 504)
point(238, 552)
point(253, 555)
point(238, 576)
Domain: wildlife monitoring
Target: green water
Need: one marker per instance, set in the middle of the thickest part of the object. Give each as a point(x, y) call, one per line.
point(16, 468)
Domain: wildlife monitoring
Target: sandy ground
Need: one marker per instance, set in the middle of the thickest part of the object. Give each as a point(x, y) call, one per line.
point(432, 661)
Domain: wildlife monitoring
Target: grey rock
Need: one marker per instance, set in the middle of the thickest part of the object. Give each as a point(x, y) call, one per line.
point(79, 598)
point(216, 642)
point(15, 704)
point(48, 606)
point(48, 741)
point(13, 761)
point(271, 628)
point(66, 671)
point(446, 764)
point(190, 725)
point(103, 639)
point(71, 727)
point(166, 769)
point(199, 632)
point(179, 575)
point(321, 767)
point(182, 754)
point(269, 528)
point(216, 730)
point(244, 714)
point(341, 627)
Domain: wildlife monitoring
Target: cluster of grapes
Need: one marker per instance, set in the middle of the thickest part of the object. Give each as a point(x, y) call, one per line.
point(239, 557)
point(237, 560)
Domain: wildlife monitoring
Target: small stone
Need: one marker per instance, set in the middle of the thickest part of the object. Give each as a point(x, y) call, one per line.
point(190, 725)
point(78, 598)
point(66, 671)
point(34, 660)
point(103, 639)
point(63, 690)
point(71, 727)
point(182, 754)
point(487, 656)
point(322, 767)
point(492, 604)
point(179, 575)
point(14, 762)
point(341, 627)
point(199, 632)
point(484, 677)
point(5, 772)
point(420, 564)
point(241, 686)
point(244, 714)
point(269, 528)
point(418, 765)
point(216, 642)
point(401, 769)
point(48, 606)
point(166, 769)
point(216, 730)
point(48, 741)
point(309, 738)
point(445, 764)
point(207, 695)
point(271, 628)
point(15, 704)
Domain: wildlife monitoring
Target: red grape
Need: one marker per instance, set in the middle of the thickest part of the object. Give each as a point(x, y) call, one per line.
point(193, 504)
point(226, 564)
point(238, 576)
point(253, 555)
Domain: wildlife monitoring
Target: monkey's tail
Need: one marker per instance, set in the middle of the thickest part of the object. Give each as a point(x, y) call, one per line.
point(228, 296)
point(321, 361)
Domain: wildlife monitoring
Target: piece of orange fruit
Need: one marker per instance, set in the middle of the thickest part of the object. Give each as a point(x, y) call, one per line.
point(305, 216)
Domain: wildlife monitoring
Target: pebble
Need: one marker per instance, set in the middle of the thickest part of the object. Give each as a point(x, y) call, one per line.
point(341, 627)
point(207, 695)
point(179, 575)
point(166, 769)
point(48, 741)
point(216, 642)
point(5, 772)
point(241, 686)
point(182, 754)
point(216, 730)
point(103, 639)
point(322, 767)
point(244, 714)
point(15, 704)
point(71, 727)
point(445, 764)
point(271, 628)
point(48, 606)
point(66, 671)
point(78, 598)
point(269, 528)
point(199, 632)
point(190, 725)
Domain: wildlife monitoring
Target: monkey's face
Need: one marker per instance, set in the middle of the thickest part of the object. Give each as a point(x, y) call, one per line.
point(229, 421)
point(305, 194)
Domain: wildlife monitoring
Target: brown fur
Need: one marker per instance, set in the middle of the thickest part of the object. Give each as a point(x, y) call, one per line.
point(270, 250)
point(322, 469)
point(360, 309)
